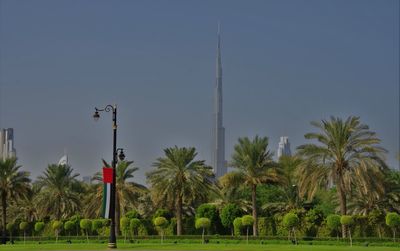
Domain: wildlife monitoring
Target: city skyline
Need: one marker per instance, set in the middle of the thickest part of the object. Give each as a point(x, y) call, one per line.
point(287, 63)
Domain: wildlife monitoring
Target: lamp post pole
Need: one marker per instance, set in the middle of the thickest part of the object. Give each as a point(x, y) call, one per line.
point(112, 242)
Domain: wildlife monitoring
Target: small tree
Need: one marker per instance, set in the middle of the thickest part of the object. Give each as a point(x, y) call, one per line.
point(237, 226)
point(333, 223)
point(161, 223)
point(393, 221)
point(23, 226)
point(39, 226)
point(247, 221)
point(347, 221)
point(57, 226)
point(202, 223)
point(228, 214)
point(291, 221)
point(10, 228)
point(124, 223)
point(134, 225)
point(86, 225)
point(97, 224)
point(68, 226)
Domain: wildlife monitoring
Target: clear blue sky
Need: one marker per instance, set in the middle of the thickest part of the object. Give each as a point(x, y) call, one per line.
point(285, 64)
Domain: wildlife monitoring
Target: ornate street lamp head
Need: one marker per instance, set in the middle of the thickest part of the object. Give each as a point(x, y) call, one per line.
point(121, 155)
point(96, 116)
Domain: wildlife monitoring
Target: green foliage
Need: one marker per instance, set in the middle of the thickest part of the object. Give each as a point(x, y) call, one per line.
point(124, 224)
point(291, 220)
point(23, 225)
point(68, 226)
point(237, 226)
point(160, 222)
point(10, 226)
point(393, 220)
point(229, 213)
point(247, 220)
point(86, 224)
point(134, 225)
point(39, 226)
point(347, 220)
point(262, 226)
point(57, 225)
point(163, 213)
point(333, 222)
point(97, 224)
point(202, 223)
point(207, 211)
point(132, 214)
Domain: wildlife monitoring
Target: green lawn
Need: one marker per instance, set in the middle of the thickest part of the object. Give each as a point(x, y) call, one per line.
point(216, 247)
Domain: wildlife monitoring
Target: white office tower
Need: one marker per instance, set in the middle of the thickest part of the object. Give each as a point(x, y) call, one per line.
point(284, 147)
point(219, 163)
point(7, 149)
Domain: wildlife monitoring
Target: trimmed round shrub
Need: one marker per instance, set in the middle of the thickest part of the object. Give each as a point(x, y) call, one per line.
point(290, 220)
point(69, 226)
point(39, 226)
point(333, 221)
point(23, 226)
point(203, 223)
point(134, 225)
point(346, 220)
point(237, 225)
point(160, 222)
point(10, 227)
point(247, 220)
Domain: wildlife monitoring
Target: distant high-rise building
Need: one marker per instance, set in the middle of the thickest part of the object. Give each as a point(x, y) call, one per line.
point(219, 163)
point(7, 149)
point(284, 147)
point(87, 179)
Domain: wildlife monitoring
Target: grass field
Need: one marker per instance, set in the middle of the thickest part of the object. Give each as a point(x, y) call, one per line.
point(216, 247)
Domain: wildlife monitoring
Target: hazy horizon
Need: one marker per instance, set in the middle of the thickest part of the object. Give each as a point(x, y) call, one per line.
point(285, 63)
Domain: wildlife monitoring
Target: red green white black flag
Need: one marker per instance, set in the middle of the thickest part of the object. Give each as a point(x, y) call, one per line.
point(107, 180)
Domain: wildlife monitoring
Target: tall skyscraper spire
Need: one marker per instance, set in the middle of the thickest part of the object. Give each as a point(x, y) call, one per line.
point(219, 163)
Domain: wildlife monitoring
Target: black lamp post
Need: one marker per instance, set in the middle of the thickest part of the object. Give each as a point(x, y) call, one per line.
point(112, 242)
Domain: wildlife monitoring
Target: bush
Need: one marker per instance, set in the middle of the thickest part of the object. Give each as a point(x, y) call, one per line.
point(247, 221)
point(134, 225)
point(132, 214)
point(68, 226)
point(333, 223)
point(161, 223)
point(202, 223)
point(97, 225)
point(39, 226)
point(262, 226)
point(237, 225)
point(211, 212)
point(393, 221)
point(86, 225)
point(291, 221)
point(57, 226)
point(228, 214)
point(347, 220)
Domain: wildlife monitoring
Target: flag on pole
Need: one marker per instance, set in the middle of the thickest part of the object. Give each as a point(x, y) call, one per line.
point(108, 174)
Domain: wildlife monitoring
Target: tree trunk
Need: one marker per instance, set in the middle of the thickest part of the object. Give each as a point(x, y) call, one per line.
point(394, 235)
point(294, 235)
point(202, 235)
point(179, 215)
point(351, 240)
point(342, 202)
point(4, 206)
point(24, 237)
point(254, 205)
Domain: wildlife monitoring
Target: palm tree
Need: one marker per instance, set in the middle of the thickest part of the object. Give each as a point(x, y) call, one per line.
point(291, 199)
point(59, 195)
point(346, 153)
point(254, 165)
point(179, 179)
point(14, 184)
point(128, 192)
